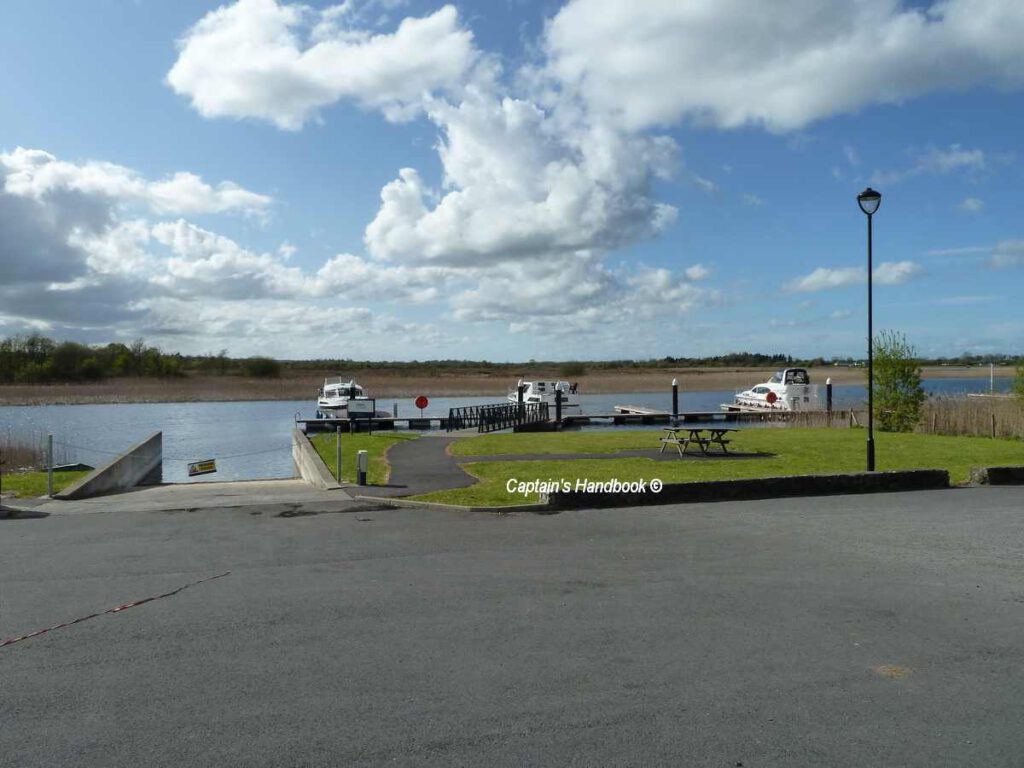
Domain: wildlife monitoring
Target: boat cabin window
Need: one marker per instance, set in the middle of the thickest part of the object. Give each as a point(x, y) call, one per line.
point(776, 378)
point(331, 393)
point(761, 390)
point(796, 376)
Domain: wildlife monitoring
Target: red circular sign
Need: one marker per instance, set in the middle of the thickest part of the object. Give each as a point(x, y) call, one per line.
point(422, 402)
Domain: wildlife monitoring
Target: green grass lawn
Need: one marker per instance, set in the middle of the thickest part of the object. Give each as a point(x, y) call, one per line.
point(28, 484)
point(375, 445)
point(794, 452)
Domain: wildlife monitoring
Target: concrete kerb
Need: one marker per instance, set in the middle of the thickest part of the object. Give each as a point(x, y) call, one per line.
point(759, 488)
point(308, 464)
point(710, 491)
point(142, 464)
point(997, 476)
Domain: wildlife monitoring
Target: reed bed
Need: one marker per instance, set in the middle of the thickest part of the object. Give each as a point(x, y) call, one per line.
point(302, 384)
point(838, 419)
point(28, 452)
point(998, 417)
point(973, 416)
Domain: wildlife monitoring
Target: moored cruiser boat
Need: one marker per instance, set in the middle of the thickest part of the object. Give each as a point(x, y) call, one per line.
point(787, 390)
point(333, 398)
point(544, 392)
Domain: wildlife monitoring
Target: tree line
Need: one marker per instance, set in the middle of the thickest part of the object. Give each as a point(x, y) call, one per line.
point(36, 359)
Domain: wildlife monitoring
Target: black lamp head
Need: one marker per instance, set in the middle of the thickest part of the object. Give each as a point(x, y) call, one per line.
point(869, 200)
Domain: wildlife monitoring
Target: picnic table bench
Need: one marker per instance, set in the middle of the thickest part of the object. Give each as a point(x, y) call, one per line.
point(682, 437)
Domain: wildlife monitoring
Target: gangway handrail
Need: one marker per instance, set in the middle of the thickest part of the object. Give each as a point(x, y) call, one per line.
point(495, 416)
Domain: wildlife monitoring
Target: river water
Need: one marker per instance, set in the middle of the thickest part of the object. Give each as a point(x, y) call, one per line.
point(252, 440)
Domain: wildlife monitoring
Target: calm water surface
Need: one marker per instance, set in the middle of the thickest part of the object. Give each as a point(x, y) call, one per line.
point(253, 439)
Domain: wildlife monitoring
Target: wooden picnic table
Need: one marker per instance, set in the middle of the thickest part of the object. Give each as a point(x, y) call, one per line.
point(682, 437)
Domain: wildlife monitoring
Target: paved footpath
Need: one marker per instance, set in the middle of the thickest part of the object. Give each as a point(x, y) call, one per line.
point(420, 466)
point(425, 465)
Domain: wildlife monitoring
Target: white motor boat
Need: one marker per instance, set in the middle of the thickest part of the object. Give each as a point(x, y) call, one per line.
point(787, 390)
point(544, 392)
point(333, 398)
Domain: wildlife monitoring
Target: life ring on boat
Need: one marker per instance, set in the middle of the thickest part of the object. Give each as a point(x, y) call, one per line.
point(771, 397)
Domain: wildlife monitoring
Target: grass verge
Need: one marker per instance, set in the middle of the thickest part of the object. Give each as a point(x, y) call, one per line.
point(375, 445)
point(793, 452)
point(28, 484)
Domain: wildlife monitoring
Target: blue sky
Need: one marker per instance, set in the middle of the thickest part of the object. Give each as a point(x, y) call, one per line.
point(511, 180)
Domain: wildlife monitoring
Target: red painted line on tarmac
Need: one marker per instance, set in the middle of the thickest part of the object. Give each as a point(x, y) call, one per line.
point(115, 609)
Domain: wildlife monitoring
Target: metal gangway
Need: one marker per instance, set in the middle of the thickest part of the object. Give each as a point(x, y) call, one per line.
point(491, 418)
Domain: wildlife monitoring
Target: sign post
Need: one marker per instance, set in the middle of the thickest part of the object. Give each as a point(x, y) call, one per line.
point(362, 409)
point(421, 403)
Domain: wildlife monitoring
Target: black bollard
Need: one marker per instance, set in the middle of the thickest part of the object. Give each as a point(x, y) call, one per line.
point(828, 395)
point(558, 406)
point(521, 388)
point(675, 401)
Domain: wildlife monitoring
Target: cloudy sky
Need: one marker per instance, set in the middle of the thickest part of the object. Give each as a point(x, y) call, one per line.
point(511, 179)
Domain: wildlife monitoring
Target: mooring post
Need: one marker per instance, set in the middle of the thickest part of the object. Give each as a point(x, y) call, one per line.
point(394, 409)
point(828, 399)
point(337, 450)
point(675, 401)
point(521, 389)
point(558, 405)
point(49, 465)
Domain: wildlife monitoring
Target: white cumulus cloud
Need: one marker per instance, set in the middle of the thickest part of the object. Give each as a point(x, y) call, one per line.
point(283, 62)
point(781, 64)
point(36, 174)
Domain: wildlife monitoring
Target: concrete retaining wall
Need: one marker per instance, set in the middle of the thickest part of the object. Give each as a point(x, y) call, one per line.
point(761, 488)
point(142, 464)
point(998, 476)
point(308, 464)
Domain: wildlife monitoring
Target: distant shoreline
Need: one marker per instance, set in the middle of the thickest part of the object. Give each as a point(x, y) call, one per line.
point(409, 384)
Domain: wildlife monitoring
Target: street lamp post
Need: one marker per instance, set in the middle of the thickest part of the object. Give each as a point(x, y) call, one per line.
point(869, 200)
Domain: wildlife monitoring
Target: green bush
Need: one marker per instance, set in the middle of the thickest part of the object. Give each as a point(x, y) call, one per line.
point(898, 391)
point(262, 368)
point(1018, 384)
point(91, 369)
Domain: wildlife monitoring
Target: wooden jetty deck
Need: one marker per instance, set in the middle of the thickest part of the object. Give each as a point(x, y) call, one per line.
point(622, 415)
point(383, 423)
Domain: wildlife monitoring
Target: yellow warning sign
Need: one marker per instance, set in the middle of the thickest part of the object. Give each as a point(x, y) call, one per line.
point(204, 467)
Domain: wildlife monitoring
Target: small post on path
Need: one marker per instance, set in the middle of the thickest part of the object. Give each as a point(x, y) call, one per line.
point(49, 465)
point(362, 467)
point(337, 450)
point(675, 401)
